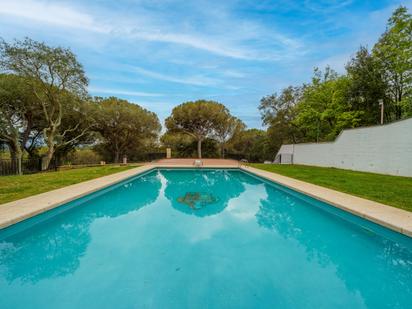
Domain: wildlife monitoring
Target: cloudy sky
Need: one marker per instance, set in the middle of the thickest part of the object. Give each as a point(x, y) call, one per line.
point(159, 53)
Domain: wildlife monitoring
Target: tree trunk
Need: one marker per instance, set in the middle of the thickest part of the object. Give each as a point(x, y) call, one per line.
point(116, 156)
point(19, 156)
point(49, 135)
point(16, 155)
point(48, 157)
point(199, 148)
point(222, 151)
point(12, 151)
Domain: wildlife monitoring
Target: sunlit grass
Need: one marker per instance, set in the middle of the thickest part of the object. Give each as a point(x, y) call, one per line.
point(17, 187)
point(391, 190)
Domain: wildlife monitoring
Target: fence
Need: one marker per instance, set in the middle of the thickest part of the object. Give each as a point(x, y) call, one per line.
point(28, 166)
point(31, 166)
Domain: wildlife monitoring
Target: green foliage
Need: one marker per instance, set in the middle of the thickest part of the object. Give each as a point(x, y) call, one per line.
point(366, 86)
point(125, 128)
point(56, 80)
point(82, 157)
point(227, 127)
point(18, 115)
point(202, 120)
point(330, 103)
point(252, 144)
point(16, 109)
point(394, 53)
point(324, 109)
point(278, 112)
point(45, 108)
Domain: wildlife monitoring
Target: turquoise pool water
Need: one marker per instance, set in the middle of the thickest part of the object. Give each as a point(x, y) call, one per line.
point(202, 239)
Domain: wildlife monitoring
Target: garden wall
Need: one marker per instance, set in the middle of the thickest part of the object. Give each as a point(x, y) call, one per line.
point(385, 149)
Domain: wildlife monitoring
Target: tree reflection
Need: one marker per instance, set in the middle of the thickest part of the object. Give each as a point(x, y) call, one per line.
point(54, 248)
point(218, 186)
point(361, 258)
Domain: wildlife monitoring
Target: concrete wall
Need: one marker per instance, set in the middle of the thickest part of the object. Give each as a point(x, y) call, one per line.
point(383, 149)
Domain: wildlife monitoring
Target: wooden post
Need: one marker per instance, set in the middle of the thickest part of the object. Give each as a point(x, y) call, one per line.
point(382, 109)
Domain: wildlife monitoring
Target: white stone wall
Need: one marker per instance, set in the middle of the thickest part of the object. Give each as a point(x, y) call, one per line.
point(383, 149)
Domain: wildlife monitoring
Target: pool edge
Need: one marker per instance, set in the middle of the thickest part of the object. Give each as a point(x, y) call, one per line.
point(392, 218)
point(17, 211)
point(395, 219)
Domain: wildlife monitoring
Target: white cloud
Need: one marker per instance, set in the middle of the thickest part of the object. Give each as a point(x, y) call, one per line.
point(124, 92)
point(56, 14)
point(198, 42)
point(150, 28)
point(232, 73)
point(192, 80)
point(325, 7)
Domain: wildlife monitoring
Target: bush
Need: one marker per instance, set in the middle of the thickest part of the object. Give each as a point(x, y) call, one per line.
point(83, 157)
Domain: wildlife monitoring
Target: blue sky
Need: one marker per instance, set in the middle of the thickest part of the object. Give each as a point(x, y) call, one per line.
point(159, 53)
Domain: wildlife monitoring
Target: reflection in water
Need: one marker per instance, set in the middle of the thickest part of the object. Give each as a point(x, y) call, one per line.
point(360, 256)
point(217, 187)
point(54, 248)
point(197, 200)
point(250, 245)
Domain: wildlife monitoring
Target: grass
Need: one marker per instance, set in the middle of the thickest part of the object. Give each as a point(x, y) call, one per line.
point(390, 190)
point(17, 187)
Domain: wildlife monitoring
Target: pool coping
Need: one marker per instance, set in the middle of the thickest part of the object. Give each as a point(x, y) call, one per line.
point(390, 217)
point(395, 219)
point(19, 210)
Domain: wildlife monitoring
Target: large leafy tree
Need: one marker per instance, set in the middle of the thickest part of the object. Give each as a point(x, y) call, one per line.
point(278, 113)
point(251, 144)
point(394, 52)
point(124, 126)
point(324, 109)
point(179, 143)
point(18, 115)
point(366, 86)
point(185, 146)
point(318, 111)
point(55, 78)
point(228, 126)
point(79, 112)
point(199, 119)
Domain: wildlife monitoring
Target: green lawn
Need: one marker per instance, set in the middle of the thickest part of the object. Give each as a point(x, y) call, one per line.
point(391, 190)
point(17, 187)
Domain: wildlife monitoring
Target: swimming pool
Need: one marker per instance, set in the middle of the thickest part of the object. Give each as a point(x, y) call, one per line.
point(202, 239)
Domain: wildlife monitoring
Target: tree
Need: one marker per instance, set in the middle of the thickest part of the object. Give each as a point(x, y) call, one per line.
point(198, 119)
point(367, 86)
point(56, 79)
point(252, 144)
point(320, 110)
point(227, 127)
point(124, 126)
point(178, 142)
point(278, 113)
point(394, 52)
point(324, 109)
point(82, 113)
point(17, 115)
